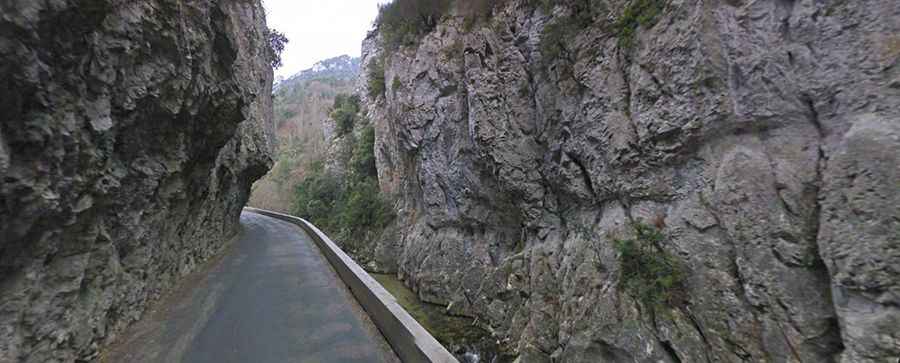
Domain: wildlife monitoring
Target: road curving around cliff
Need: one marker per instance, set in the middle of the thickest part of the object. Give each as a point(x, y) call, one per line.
point(272, 297)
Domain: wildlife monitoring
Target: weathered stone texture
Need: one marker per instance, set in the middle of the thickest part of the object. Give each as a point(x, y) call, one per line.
point(763, 134)
point(130, 132)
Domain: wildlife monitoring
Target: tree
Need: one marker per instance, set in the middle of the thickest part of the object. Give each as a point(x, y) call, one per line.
point(277, 41)
point(403, 22)
point(344, 112)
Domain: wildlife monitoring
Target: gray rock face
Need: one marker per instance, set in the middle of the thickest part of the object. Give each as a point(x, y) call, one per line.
point(859, 236)
point(130, 133)
point(762, 134)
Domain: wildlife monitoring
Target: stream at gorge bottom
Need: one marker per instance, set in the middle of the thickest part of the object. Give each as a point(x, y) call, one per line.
point(469, 343)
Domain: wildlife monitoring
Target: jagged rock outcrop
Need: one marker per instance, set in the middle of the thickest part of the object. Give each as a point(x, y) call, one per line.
point(762, 135)
point(131, 133)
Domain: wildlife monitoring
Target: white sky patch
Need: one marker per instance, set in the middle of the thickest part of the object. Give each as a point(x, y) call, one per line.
point(319, 29)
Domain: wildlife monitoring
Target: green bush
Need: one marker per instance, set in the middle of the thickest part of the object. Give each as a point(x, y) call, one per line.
point(639, 13)
point(396, 84)
point(364, 209)
point(554, 37)
point(344, 112)
point(403, 22)
point(648, 273)
point(318, 197)
point(475, 11)
point(342, 99)
point(352, 208)
point(288, 114)
point(545, 5)
point(276, 41)
point(377, 83)
point(581, 15)
point(362, 163)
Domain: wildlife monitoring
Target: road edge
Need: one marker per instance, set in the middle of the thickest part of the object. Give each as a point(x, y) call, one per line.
point(407, 337)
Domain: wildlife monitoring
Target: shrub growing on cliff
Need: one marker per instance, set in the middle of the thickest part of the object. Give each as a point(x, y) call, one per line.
point(648, 273)
point(553, 39)
point(318, 197)
point(396, 85)
point(376, 80)
point(403, 22)
point(362, 163)
point(344, 112)
point(352, 208)
point(364, 210)
point(641, 13)
point(557, 34)
point(277, 41)
point(474, 11)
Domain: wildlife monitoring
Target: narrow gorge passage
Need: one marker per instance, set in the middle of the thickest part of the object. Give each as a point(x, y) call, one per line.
point(532, 181)
point(272, 297)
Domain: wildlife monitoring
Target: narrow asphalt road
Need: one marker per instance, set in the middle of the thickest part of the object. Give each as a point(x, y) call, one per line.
point(272, 297)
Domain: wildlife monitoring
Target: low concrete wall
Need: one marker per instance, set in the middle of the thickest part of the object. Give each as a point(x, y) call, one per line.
point(409, 339)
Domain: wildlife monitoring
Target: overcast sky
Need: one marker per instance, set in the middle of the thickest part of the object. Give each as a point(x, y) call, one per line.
point(319, 29)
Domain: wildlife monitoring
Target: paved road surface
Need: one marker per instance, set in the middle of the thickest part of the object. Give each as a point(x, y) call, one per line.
point(271, 298)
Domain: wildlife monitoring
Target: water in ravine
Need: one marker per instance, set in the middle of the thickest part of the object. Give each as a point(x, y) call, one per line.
point(469, 343)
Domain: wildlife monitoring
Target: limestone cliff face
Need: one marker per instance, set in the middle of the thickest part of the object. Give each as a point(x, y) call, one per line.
point(130, 132)
point(763, 135)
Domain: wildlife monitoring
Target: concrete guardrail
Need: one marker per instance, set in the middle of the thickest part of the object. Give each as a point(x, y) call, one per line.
point(410, 341)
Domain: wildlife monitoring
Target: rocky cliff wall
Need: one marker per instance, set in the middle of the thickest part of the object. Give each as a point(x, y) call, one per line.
point(762, 136)
point(130, 133)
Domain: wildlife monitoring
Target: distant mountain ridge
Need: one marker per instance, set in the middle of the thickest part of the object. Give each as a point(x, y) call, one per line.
point(342, 67)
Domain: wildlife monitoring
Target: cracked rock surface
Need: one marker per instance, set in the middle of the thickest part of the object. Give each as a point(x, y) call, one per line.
point(764, 136)
point(130, 133)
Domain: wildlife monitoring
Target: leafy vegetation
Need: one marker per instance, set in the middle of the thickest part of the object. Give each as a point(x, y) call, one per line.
point(362, 162)
point(277, 41)
point(403, 22)
point(351, 206)
point(377, 83)
point(363, 210)
point(318, 195)
point(581, 15)
point(300, 103)
point(344, 112)
point(639, 13)
point(648, 273)
point(475, 11)
point(396, 84)
point(554, 37)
